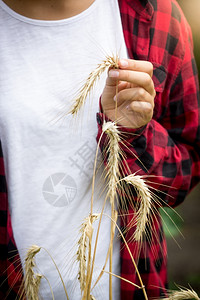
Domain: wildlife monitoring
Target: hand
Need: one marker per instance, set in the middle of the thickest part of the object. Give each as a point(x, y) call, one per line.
point(132, 87)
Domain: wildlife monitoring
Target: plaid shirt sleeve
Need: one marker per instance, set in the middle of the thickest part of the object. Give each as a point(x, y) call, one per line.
point(10, 266)
point(168, 147)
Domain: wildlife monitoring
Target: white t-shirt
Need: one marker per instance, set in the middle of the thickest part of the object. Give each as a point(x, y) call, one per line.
point(49, 157)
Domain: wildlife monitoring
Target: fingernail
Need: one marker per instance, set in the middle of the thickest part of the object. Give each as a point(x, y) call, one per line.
point(113, 73)
point(128, 107)
point(115, 98)
point(123, 63)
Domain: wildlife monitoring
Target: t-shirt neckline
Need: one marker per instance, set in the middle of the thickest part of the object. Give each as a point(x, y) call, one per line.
point(39, 22)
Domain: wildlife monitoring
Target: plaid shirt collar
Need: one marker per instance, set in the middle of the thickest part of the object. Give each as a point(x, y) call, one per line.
point(142, 7)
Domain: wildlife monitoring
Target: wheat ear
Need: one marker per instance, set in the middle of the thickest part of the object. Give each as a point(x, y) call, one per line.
point(86, 232)
point(31, 279)
point(144, 198)
point(80, 100)
point(113, 151)
point(182, 294)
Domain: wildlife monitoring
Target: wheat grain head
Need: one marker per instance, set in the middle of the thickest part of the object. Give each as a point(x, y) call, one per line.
point(86, 232)
point(182, 294)
point(79, 101)
point(31, 279)
point(113, 151)
point(144, 198)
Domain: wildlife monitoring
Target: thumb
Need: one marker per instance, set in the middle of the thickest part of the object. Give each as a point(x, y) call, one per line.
point(112, 79)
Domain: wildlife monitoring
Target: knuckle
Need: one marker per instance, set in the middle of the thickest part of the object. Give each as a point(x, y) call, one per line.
point(147, 80)
point(149, 68)
point(149, 109)
point(141, 93)
point(150, 65)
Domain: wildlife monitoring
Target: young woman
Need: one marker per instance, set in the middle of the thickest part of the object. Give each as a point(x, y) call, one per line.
point(47, 49)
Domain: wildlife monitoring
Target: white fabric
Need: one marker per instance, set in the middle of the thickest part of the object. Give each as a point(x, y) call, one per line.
point(49, 157)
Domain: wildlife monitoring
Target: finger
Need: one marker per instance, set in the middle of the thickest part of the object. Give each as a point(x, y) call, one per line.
point(111, 81)
point(142, 109)
point(122, 85)
point(116, 85)
point(134, 94)
point(136, 65)
point(134, 77)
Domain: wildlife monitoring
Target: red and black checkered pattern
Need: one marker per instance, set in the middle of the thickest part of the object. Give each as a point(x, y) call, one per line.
point(169, 146)
point(10, 266)
point(150, 258)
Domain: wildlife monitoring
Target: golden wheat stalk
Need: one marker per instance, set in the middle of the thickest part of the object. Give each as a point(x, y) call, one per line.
point(58, 273)
point(145, 203)
point(110, 193)
point(182, 294)
point(86, 232)
point(124, 279)
point(79, 101)
point(31, 279)
point(132, 259)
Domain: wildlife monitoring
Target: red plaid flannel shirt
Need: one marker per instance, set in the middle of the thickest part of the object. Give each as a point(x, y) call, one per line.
point(168, 147)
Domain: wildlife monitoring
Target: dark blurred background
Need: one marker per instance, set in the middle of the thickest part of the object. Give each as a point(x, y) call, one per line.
point(184, 263)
